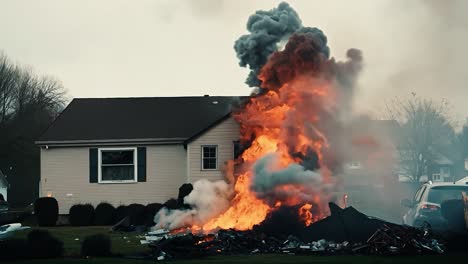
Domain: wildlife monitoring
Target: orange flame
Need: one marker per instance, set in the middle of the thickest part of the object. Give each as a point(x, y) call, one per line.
point(267, 118)
point(305, 214)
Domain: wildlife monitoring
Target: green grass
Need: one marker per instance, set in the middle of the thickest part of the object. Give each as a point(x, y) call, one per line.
point(129, 244)
point(272, 259)
point(122, 243)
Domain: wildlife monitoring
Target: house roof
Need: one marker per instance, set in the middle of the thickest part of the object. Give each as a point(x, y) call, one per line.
point(158, 119)
point(441, 159)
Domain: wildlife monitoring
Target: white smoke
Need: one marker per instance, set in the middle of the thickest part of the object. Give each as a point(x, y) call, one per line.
point(207, 199)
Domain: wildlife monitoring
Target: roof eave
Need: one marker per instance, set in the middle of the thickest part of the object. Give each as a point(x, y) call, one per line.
point(107, 142)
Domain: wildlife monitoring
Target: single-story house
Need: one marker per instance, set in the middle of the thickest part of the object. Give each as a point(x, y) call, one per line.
point(135, 150)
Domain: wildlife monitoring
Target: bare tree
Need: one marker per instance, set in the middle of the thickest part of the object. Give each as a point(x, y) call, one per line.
point(28, 103)
point(427, 130)
point(8, 77)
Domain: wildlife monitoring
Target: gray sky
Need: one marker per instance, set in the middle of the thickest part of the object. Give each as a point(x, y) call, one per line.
point(112, 48)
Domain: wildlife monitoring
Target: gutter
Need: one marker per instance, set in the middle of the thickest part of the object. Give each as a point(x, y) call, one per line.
point(109, 142)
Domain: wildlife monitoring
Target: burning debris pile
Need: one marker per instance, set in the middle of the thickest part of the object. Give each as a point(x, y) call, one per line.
point(345, 231)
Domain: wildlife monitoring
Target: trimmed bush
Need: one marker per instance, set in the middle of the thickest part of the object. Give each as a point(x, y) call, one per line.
point(150, 212)
point(81, 215)
point(98, 245)
point(43, 245)
point(104, 214)
point(171, 204)
point(46, 211)
point(120, 213)
point(13, 249)
point(184, 190)
point(137, 214)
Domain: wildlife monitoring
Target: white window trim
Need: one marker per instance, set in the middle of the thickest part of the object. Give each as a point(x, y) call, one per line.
point(135, 165)
point(202, 157)
point(354, 165)
point(437, 177)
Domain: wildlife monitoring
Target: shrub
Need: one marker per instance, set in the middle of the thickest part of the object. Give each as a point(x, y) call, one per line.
point(150, 212)
point(184, 190)
point(81, 214)
point(98, 245)
point(171, 204)
point(13, 249)
point(120, 213)
point(137, 214)
point(104, 214)
point(42, 245)
point(46, 211)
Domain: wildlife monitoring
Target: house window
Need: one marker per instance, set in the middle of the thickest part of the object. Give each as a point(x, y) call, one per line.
point(436, 177)
point(210, 157)
point(355, 165)
point(117, 165)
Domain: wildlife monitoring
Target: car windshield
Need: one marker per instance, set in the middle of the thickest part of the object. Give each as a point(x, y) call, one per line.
point(443, 193)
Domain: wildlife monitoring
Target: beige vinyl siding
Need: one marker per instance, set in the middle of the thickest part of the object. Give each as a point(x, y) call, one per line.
point(65, 174)
point(223, 135)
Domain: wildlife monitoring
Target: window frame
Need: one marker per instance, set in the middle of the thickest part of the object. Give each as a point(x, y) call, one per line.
point(437, 177)
point(355, 165)
point(135, 165)
point(203, 154)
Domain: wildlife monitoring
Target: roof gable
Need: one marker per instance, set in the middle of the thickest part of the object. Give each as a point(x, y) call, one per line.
point(173, 119)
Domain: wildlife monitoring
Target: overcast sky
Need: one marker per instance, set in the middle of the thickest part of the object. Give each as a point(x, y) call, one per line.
point(111, 48)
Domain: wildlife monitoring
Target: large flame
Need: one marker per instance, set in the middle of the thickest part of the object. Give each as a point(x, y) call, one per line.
point(281, 122)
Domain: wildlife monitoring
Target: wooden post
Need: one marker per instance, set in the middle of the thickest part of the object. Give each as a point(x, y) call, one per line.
point(465, 201)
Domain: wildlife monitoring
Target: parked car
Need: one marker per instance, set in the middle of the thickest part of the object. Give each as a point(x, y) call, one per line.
point(425, 207)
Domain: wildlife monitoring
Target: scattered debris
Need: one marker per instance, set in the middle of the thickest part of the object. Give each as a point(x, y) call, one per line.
point(8, 230)
point(347, 231)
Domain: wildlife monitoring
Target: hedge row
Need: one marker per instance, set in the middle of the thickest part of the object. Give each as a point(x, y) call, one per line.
point(106, 214)
point(46, 210)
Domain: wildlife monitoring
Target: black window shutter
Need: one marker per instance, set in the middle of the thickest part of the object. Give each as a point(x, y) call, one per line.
point(141, 164)
point(93, 165)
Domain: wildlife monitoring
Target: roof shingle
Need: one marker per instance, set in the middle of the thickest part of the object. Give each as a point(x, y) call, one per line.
point(170, 118)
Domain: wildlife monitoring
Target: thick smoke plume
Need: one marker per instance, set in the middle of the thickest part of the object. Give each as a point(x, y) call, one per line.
point(267, 29)
point(294, 127)
point(309, 96)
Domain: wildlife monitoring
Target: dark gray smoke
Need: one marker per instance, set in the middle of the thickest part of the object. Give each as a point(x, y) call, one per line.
point(267, 178)
point(267, 29)
point(268, 182)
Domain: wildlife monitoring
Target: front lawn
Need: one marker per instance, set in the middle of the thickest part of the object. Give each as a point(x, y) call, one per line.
point(129, 244)
point(272, 259)
point(122, 243)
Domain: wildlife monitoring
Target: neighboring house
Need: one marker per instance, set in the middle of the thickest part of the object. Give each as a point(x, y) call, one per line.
point(442, 169)
point(372, 153)
point(135, 150)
